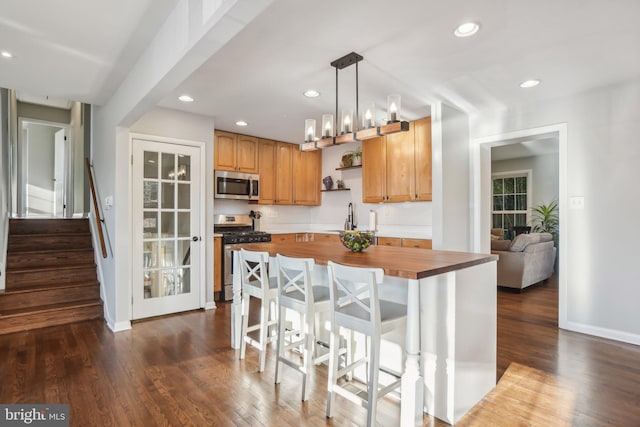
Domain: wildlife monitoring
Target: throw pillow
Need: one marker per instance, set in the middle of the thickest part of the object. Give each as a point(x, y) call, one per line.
point(500, 245)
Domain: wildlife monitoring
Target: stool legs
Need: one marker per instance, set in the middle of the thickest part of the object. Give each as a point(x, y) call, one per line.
point(245, 325)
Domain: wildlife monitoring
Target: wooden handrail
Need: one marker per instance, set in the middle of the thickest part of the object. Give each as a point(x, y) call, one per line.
point(103, 246)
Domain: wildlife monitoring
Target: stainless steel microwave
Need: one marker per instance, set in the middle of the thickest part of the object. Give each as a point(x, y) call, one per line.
point(237, 185)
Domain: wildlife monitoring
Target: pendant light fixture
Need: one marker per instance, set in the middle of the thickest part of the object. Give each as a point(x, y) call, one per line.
point(352, 127)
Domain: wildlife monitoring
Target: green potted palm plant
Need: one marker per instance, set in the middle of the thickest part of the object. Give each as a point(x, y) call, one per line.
point(545, 219)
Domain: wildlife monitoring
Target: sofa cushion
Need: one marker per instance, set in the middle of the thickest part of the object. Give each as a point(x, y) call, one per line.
point(500, 245)
point(538, 247)
point(523, 240)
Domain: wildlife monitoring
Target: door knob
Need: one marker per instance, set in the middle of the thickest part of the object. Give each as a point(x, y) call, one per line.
point(195, 238)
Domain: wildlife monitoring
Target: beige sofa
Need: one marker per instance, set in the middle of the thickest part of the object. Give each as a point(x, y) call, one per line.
point(525, 260)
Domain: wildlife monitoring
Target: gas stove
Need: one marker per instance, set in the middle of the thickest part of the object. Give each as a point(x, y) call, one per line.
point(233, 237)
point(238, 229)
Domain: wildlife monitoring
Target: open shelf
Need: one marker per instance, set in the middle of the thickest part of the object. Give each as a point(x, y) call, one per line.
point(349, 167)
point(337, 189)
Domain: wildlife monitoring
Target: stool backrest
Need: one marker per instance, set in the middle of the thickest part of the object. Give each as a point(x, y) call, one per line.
point(294, 278)
point(253, 267)
point(354, 296)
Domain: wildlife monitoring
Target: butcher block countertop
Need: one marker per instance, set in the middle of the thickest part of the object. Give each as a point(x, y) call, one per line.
point(408, 263)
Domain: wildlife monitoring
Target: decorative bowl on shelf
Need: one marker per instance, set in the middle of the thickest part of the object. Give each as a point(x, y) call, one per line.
point(356, 241)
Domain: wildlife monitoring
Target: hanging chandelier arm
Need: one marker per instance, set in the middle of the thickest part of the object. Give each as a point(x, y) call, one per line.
point(335, 125)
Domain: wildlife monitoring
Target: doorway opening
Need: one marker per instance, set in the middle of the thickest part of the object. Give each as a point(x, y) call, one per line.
point(482, 219)
point(44, 158)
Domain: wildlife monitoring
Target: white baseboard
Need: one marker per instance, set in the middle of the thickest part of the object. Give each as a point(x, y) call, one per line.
point(119, 326)
point(611, 334)
point(209, 305)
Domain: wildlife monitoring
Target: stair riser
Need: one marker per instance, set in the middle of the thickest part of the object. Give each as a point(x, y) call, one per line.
point(62, 275)
point(48, 226)
point(9, 324)
point(19, 243)
point(49, 296)
point(55, 259)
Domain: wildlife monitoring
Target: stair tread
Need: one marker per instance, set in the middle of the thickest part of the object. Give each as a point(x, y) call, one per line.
point(66, 233)
point(47, 286)
point(52, 251)
point(50, 307)
point(51, 268)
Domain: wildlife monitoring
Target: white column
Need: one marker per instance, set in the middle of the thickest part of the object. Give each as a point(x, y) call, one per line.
point(412, 384)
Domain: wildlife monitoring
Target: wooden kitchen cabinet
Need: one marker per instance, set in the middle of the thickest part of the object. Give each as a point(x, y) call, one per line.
point(374, 167)
point(422, 145)
point(307, 172)
point(397, 167)
point(287, 175)
point(404, 242)
point(390, 241)
point(276, 171)
point(401, 175)
point(233, 152)
point(267, 170)
point(416, 243)
point(217, 264)
point(284, 173)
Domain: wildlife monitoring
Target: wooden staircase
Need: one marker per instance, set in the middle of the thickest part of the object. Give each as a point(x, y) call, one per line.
point(50, 276)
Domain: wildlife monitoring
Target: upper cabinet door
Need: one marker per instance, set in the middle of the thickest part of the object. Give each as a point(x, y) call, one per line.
point(284, 187)
point(224, 149)
point(422, 145)
point(307, 171)
point(247, 154)
point(267, 171)
point(374, 164)
point(401, 166)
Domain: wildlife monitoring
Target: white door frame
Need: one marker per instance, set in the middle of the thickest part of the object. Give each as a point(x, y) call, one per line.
point(21, 158)
point(480, 191)
point(205, 244)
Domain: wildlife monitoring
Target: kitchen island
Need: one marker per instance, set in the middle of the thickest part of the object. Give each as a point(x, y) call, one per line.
point(451, 320)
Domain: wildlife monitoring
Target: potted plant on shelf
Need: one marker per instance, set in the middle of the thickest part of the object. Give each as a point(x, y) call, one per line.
point(357, 156)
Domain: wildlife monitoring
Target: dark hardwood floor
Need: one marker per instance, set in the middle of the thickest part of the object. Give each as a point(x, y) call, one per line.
point(179, 370)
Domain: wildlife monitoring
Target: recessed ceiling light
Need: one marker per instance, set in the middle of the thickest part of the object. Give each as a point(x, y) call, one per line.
point(529, 83)
point(6, 54)
point(185, 98)
point(312, 93)
point(241, 123)
point(467, 29)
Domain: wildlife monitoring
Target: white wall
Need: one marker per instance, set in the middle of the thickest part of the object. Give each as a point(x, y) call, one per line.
point(603, 154)
point(545, 175)
point(451, 179)
point(168, 123)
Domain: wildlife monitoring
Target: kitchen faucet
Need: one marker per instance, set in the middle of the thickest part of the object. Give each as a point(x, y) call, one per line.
point(349, 224)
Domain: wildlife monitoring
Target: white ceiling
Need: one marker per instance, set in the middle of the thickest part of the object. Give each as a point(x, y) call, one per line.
point(81, 50)
point(527, 148)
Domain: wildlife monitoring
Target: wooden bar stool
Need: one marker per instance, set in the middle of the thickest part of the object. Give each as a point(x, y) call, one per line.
point(297, 292)
point(257, 283)
point(354, 305)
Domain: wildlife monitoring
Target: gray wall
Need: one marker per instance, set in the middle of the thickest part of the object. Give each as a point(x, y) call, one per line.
point(545, 182)
point(603, 154)
point(42, 112)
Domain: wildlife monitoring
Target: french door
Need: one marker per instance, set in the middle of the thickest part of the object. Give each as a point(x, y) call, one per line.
point(167, 228)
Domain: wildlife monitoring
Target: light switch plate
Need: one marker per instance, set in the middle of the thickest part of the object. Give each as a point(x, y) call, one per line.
point(576, 202)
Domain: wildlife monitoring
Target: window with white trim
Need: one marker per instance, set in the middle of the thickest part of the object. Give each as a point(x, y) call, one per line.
point(510, 199)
